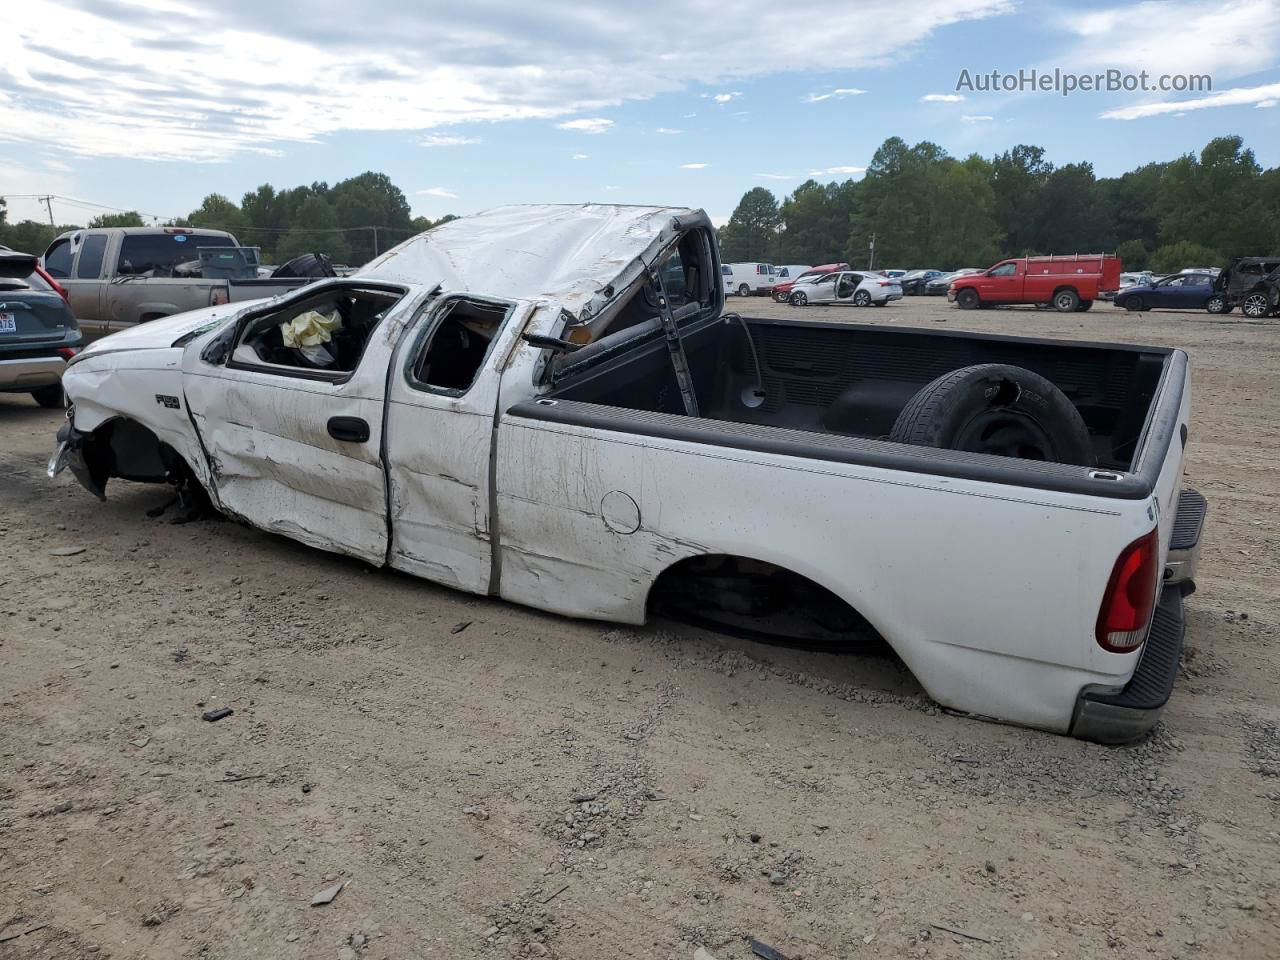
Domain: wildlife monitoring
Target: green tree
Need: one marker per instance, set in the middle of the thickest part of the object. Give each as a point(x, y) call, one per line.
point(1176, 256)
point(815, 222)
point(31, 236)
point(1134, 255)
point(129, 218)
point(1134, 199)
point(371, 200)
point(1018, 177)
point(1072, 215)
point(315, 230)
point(1215, 199)
point(963, 228)
point(752, 231)
point(216, 212)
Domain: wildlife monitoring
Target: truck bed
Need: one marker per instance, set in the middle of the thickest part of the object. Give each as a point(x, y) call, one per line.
point(833, 391)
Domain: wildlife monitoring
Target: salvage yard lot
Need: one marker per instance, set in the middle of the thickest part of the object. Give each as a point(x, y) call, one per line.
point(492, 782)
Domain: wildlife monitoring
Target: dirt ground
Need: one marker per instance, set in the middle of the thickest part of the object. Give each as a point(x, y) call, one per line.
point(494, 782)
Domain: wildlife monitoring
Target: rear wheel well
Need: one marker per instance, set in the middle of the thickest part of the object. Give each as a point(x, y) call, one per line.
point(148, 317)
point(758, 599)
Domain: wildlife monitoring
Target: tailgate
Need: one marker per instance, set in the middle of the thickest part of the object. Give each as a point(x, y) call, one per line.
point(1162, 448)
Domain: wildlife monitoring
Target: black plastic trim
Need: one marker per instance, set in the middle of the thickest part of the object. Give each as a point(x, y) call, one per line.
point(1152, 683)
point(1189, 521)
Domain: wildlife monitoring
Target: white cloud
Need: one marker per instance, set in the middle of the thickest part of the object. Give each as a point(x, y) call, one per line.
point(437, 192)
point(581, 156)
point(976, 117)
point(839, 92)
point(447, 140)
point(777, 176)
point(689, 116)
point(669, 130)
point(693, 166)
point(846, 170)
point(612, 186)
point(586, 125)
point(178, 81)
point(1228, 98)
point(1224, 38)
point(942, 98)
point(1264, 104)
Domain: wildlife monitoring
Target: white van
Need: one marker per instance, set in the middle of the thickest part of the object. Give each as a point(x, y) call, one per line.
point(746, 279)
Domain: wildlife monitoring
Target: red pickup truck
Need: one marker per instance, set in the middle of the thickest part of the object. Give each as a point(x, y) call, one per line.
point(1068, 283)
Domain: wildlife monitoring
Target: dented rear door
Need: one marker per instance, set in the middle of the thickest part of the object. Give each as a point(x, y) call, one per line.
point(439, 450)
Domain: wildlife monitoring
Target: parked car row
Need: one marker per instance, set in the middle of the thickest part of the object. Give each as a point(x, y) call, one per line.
point(845, 287)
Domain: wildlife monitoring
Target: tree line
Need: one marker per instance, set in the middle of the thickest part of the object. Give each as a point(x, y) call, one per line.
point(351, 221)
point(922, 206)
point(925, 208)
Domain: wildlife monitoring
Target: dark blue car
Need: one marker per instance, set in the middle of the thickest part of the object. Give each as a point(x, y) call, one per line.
point(1182, 291)
point(38, 334)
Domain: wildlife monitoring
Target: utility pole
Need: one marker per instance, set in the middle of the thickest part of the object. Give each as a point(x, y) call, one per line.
point(48, 202)
point(871, 262)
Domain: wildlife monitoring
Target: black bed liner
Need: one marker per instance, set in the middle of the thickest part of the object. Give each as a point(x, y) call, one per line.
point(608, 368)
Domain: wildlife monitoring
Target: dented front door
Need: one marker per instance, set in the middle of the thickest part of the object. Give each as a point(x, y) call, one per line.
point(439, 445)
point(296, 456)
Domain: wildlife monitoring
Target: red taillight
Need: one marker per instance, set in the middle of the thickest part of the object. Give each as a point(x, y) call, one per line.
point(217, 297)
point(66, 353)
point(1130, 597)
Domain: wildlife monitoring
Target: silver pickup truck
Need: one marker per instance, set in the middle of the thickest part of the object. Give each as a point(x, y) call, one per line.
point(118, 277)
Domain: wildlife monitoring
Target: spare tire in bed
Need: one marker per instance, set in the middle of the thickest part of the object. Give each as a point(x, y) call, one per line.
point(999, 409)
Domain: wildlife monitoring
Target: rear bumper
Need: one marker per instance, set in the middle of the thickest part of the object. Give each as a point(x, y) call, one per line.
point(1128, 714)
point(30, 373)
point(1107, 715)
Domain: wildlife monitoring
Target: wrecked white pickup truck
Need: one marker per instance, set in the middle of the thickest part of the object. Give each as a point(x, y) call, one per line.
point(548, 404)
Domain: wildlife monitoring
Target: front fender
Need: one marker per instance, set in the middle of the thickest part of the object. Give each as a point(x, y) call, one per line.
point(143, 386)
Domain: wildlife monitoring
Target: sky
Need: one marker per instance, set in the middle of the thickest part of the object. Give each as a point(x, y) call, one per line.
point(151, 105)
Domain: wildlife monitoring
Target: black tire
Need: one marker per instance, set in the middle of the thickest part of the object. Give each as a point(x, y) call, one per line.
point(967, 299)
point(744, 290)
point(798, 299)
point(881, 303)
point(49, 397)
point(1084, 305)
point(861, 298)
point(1255, 306)
point(1217, 304)
point(1066, 300)
point(998, 409)
point(1134, 303)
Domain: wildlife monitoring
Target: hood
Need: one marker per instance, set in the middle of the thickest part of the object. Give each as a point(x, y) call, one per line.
point(576, 255)
point(158, 334)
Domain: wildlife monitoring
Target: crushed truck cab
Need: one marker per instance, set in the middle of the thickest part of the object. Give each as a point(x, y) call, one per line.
point(550, 405)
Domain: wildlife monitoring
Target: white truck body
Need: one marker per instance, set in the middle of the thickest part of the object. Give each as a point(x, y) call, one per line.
point(984, 574)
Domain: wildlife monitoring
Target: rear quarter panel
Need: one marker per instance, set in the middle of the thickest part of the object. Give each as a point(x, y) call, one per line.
point(989, 593)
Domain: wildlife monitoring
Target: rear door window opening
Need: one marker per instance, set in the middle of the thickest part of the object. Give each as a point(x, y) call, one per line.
point(455, 343)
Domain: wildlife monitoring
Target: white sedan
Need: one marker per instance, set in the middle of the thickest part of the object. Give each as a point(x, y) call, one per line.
point(845, 287)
